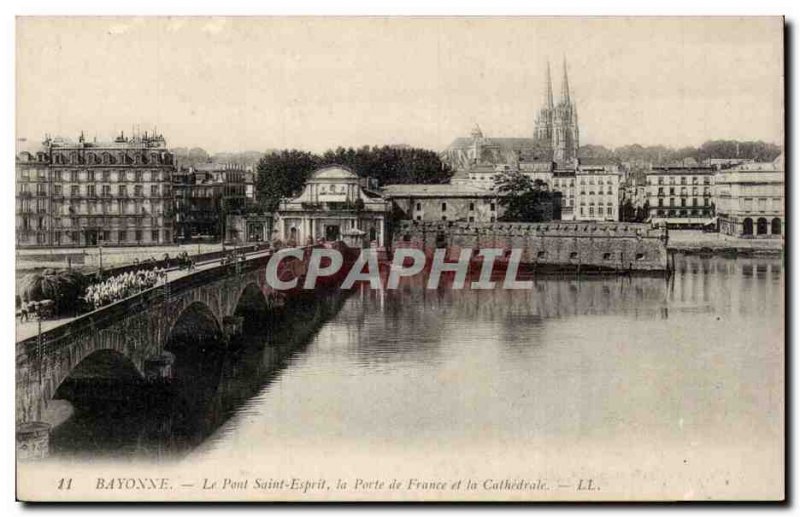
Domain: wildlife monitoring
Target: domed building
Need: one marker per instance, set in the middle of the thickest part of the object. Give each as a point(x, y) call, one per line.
point(335, 203)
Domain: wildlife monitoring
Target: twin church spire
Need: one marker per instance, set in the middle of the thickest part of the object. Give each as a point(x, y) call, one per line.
point(548, 87)
point(556, 127)
point(564, 84)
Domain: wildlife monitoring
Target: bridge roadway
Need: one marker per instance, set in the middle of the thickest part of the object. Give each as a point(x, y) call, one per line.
point(28, 329)
point(198, 309)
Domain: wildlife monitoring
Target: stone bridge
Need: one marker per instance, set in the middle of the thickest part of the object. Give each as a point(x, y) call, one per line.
point(199, 308)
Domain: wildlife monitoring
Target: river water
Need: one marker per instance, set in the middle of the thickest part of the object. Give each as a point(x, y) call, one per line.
point(649, 386)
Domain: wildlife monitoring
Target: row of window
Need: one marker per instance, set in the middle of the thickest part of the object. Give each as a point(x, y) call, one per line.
point(29, 223)
point(130, 209)
point(672, 180)
point(74, 158)
point(99, 209)
point(761, 204)
point(601, 212)
point(695, 202)
point(91, 190)
point(602, 180)
point(74, 237)
point(609, 192)
point(90, 175)
point(685, 191)
point(683, 213)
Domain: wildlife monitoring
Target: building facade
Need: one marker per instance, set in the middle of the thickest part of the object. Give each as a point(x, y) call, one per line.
point(597, 192)
point(681, 197)
point(205, 195)
point(333, 204)
point(446, 202)
point(77, 194)
point(750, 200)
point(248, 228)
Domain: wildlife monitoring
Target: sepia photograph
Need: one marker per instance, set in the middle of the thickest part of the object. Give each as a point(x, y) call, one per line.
point(400, 259)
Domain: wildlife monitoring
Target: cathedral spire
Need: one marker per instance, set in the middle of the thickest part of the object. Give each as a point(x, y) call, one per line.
point(548, 88)
point(565, 85)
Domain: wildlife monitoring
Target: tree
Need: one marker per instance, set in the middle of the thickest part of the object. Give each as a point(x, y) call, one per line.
point(282, 174)
point(392, 165)
point(524, 199)
point(190, 157)
point(628, 211)
point(643, 212)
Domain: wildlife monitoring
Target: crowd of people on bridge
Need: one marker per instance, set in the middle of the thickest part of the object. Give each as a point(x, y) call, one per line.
point(233, 257)
point(122, 286)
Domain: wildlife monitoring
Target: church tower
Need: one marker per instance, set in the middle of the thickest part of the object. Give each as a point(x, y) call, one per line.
point(556, 128)
point(543, 125)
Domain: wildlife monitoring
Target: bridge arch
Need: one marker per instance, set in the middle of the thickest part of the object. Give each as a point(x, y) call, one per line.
point(197, 345)
point(196, 324)
point(251, 305)
point(103, 375)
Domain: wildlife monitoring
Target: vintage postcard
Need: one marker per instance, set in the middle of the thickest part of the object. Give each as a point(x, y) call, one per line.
point(400, 259)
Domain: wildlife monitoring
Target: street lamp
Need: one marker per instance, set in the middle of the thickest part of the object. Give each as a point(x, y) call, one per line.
point(100, 250)
point(222, 218)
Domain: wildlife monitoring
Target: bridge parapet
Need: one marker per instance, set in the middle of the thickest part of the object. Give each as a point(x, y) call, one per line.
point(137, 327)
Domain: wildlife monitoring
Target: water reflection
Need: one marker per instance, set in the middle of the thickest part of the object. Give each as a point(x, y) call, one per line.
point(165, 424)
point(574, 358)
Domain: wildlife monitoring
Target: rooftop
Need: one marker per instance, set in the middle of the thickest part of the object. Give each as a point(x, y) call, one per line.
point(441, 190)
point(334, 172)
point(515, 144)
point(216, 167)
point(775, 165)
point(669, 169)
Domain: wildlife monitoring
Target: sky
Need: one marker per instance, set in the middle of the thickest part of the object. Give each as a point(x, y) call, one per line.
point(235, 84)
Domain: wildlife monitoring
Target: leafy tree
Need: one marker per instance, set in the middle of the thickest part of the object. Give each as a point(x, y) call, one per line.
point(662, 155)
point(190, 157)
point(643, 212)
point(282, 174)
point(392, 165)
point(628, 211)
point(524, 199)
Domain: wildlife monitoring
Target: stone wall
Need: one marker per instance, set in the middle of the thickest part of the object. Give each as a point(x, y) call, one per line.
point(556, 245)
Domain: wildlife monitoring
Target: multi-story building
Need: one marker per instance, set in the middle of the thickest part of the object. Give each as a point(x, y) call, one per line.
point(681, 197)
point(750, 199)
point(596, 192)
point(84, 193)
point(250, 184)
point(204, 196)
